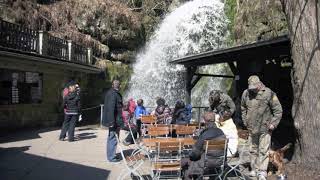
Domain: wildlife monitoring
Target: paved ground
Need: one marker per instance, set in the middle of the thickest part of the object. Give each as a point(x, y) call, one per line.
point(37, 154)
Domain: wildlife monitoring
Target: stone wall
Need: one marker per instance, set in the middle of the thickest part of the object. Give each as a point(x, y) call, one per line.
point(49, 112)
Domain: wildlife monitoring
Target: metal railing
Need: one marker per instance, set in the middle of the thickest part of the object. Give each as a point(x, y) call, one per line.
point(57, 47)
point(17, 37)
point(20, 38)
point(199, 110)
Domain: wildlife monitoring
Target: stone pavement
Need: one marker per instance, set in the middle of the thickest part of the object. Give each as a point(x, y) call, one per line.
point(38, 154)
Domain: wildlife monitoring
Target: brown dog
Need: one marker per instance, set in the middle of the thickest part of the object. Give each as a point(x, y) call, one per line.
point(276, 158)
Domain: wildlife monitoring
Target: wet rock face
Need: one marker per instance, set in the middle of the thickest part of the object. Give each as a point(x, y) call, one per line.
point(258, 20)
point(111, 25)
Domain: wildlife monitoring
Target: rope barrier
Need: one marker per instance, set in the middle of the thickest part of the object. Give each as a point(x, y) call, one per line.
point(90, 108)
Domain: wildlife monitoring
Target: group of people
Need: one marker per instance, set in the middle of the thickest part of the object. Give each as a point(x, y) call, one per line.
point(260, 109)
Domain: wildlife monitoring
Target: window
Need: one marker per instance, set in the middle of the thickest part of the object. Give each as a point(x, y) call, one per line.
point(19, 87)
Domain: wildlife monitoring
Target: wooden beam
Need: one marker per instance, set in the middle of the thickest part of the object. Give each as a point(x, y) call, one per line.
point(188, 77)
point(215, 75)
point(195, 81)
point(233, 68)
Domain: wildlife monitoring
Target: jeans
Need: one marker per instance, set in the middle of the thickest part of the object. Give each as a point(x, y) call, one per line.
point(112, 143)
point(69, 124)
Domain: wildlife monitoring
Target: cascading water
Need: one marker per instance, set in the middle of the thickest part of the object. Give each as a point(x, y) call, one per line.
point(196, 26)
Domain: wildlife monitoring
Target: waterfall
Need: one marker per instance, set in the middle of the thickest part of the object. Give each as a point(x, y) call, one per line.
point(194, 27)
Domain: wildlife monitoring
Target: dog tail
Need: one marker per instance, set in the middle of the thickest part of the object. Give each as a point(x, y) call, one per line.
point(286, 147)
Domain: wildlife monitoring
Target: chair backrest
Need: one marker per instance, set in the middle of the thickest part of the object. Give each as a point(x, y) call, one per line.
point(185, 130)
point(169, 146)
point(154, 131)
point(148, 119)
point(217, 145)
point(169, 150)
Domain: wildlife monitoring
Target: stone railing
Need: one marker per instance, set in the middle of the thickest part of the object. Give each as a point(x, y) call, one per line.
point(40, 42)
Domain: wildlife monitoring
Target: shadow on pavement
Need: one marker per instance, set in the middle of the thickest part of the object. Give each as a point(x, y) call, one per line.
point(25, 134)
point(15, 164)
point(82, 136)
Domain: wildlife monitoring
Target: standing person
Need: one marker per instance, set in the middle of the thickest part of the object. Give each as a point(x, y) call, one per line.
point(140, 110)
point(261, 113)
point(220, 101)
point(72, 109)
point(112, 118)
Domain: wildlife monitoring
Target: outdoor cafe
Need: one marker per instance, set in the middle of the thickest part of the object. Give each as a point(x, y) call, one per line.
point(166, 147)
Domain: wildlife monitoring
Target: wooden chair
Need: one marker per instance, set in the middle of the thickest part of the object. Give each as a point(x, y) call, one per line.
point(212, 147)
point(147, 120)
point(154, 131)
point(167, 162)
point(183, 130)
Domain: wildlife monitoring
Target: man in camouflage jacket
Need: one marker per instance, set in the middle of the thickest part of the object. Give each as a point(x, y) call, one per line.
point(261, 113)
point(221, 103)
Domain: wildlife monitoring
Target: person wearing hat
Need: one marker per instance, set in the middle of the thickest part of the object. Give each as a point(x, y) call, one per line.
point(71, 102)
point(221, 103)
point(261, 112)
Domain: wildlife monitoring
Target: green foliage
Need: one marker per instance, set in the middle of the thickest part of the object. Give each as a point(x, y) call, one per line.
point(230, 10)
point(121, 72)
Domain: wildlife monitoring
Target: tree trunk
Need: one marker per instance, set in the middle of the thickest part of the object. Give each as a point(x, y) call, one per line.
point(303, 18)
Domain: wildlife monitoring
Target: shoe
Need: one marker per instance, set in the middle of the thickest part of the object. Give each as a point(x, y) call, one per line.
point(252, 173)
point(61, 139)
point(115, 160)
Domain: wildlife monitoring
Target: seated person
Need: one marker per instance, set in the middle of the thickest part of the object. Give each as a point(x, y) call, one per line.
point(139, 111)
point(132, 106)
point(179, 115)
point(226, 124)
point(194, 166)
point(127, 125)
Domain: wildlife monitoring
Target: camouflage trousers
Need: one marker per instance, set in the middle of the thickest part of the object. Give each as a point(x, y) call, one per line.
point(259, 147)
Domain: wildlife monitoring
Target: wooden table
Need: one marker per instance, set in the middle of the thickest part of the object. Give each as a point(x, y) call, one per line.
point(151, 142)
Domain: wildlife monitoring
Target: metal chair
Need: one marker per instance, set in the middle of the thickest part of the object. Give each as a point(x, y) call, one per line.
point(132, 163)
point(212, 147)
point(234, 164)
point(138, 147)
point(167, 160)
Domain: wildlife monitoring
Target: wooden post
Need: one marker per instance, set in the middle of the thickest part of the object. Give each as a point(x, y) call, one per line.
point(69, 50)
point(188, 79)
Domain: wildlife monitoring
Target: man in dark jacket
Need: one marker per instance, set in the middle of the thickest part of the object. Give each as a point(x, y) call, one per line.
point(195, 166)
point(71, 104)
point(112, 118)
